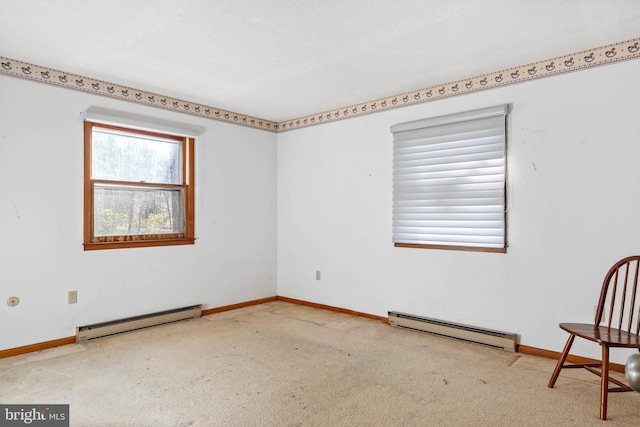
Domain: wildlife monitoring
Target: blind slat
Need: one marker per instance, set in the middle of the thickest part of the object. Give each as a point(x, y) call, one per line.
point(426, 186)
point(456, 240)
point(447, 140)
point(451, 216)
point(419, 159)
point(450, 177)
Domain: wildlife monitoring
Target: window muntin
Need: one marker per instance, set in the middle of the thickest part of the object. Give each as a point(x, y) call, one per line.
point(138, 188)
point(449, 181)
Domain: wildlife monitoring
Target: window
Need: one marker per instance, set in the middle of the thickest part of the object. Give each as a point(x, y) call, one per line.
point(138, 188)
point(449, 181)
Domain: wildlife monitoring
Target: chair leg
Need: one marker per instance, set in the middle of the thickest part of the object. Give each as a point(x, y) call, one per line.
point(561, 361)
point(604, 383)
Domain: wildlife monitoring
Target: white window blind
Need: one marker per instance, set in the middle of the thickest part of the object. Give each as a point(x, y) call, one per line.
point(449, 181)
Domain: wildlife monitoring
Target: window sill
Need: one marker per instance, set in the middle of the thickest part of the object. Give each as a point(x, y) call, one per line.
point(137, 244)
point(451, 248)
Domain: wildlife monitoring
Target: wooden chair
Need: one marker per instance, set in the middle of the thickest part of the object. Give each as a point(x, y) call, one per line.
point(618, 311)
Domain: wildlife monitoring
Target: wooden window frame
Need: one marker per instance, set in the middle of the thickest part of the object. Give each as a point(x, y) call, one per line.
point(92, 242)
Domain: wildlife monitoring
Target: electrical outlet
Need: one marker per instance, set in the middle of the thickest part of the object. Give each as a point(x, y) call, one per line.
point(13, 301)
point(317, 274)
point(73, 297)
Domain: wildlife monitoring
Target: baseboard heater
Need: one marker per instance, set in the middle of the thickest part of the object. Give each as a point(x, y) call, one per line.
point(497, 339)
point(100, 330)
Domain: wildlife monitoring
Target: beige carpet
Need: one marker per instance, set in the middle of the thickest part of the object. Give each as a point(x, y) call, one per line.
point(279, 364)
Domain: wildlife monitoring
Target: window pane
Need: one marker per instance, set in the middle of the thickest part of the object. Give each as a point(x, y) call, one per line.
point(133, 158)
point(136, 211)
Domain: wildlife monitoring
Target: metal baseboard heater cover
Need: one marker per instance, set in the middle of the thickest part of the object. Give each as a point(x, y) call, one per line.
point(104, 329)
point(497, 339)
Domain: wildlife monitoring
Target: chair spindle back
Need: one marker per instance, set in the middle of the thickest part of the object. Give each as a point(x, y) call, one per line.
point(618, 305)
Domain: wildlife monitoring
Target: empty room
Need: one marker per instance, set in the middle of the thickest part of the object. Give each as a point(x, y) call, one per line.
point(283, 213)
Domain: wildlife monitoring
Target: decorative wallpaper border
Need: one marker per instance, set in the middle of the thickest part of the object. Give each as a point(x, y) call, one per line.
point(609, 54)
point(618, 52)
point(24, 70)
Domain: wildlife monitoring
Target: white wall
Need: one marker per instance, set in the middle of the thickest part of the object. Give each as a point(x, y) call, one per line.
point(574, 209)
point(574, 181)
point(42, 257)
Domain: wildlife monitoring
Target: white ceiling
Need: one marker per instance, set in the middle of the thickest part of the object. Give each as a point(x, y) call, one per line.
point(283, 59)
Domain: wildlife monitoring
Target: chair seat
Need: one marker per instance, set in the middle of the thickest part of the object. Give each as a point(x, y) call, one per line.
point(611, 337)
